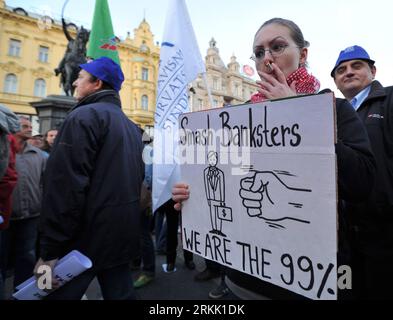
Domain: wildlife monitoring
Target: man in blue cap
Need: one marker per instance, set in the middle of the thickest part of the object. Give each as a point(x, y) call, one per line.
point(92, 187)
point(372, 221)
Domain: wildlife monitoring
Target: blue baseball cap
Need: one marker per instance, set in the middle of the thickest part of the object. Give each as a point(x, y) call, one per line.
point(106, 70)
point(352, 53)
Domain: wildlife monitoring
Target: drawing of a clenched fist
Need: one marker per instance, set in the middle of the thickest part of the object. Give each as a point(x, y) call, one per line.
point(253, 190)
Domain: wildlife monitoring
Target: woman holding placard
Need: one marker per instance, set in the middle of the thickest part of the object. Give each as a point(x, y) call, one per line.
point(280, 54)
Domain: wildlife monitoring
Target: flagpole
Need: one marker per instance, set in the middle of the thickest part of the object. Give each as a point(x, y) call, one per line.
point(209, 93)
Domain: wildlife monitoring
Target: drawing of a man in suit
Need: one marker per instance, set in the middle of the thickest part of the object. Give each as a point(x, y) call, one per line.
point(215, 191)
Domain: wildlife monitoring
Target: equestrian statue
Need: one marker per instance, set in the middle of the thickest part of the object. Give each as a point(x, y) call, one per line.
point(73, 57)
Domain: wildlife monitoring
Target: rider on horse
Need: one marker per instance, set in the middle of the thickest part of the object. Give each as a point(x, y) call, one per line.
point(73, 57)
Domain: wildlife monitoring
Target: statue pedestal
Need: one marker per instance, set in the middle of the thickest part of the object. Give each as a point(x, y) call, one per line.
point(52, 111)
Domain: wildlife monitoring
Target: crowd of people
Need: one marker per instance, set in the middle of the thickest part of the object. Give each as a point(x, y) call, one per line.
point(86, 187)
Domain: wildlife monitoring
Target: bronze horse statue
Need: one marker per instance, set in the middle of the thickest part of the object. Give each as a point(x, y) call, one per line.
point(73, 57)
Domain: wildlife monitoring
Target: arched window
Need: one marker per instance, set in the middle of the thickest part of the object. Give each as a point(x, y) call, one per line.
point(40, 88)
point(11, 83)
point(145, 102)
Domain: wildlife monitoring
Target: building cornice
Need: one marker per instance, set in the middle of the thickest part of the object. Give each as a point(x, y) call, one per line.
point(12, 67)
point(31, 20)
point(16, 16)
point(16, 33)
point(42, 73)
point(45, 40)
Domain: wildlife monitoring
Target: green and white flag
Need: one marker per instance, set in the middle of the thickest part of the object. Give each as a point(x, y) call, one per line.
point(102, 41)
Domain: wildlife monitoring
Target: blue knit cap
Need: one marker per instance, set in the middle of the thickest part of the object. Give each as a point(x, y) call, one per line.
point(106, 70)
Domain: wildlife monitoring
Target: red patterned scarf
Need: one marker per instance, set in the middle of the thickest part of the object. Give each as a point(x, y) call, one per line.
point(305, 84)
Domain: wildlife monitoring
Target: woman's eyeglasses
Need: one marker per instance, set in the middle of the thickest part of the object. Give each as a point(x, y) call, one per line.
point(275, 51)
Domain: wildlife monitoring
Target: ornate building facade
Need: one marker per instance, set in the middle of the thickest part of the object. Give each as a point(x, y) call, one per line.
point(31, 46)
point(227, 84)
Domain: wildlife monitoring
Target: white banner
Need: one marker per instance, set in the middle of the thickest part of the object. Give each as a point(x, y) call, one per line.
point(180, 63)
point(66, 269)
point(263, 195)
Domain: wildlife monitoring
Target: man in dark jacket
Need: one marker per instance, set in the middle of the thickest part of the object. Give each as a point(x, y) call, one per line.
point(372, 220)
point(92, 187)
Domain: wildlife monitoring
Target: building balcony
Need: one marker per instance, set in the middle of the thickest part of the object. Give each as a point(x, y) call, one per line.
point(142, 116)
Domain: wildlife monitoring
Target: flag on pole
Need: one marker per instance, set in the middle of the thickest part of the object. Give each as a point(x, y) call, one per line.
point(180, 63)
point(102, 40)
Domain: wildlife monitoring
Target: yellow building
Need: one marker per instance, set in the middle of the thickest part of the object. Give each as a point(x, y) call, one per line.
point(31, 46)
point(228, 84)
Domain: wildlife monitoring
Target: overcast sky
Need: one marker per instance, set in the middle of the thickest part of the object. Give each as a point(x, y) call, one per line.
point(329, 26)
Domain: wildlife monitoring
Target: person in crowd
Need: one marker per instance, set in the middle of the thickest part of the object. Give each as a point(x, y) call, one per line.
point(371, 232)
point(20, 239)
point(280, 54)
point(160, 231)
point(9, 124)
point(92, 187)
point(49, 140)
point(172, 218)
point(211, 271)
point(147, 255)
point(37, 141)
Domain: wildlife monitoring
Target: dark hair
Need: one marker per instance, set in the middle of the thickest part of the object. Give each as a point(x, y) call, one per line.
point(23, 117)
point(296, 33)
point(46, 133)
point(105, 85)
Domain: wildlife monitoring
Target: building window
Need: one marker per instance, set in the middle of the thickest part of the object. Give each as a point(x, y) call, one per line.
point(215, 103)
point(43, 54)
point(40, 88)
point(237, 91)
point(200, 104)
point(14, 48)
point(215, 84)
point(11, 83)
point(145, 74)
point(35, 123)
point(145, 102)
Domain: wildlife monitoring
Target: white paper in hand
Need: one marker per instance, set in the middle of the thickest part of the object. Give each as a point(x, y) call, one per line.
point(66, 269)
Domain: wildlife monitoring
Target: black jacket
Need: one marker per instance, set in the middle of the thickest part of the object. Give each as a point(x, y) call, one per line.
point(356, 170)
point(373, 219)
point(92, 184)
